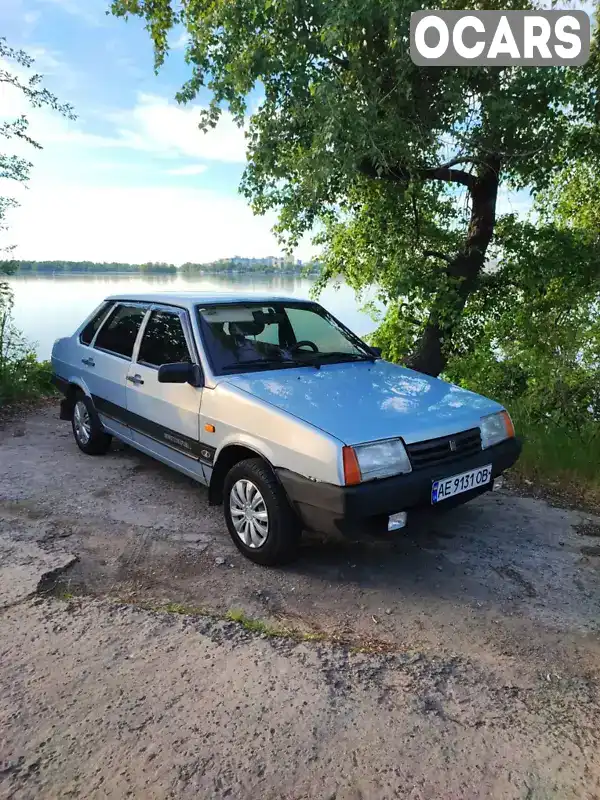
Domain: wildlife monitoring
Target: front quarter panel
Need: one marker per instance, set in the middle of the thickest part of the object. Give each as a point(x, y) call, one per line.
point(283, 440)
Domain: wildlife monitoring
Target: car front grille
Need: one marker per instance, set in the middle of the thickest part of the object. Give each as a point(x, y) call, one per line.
point(437, 452)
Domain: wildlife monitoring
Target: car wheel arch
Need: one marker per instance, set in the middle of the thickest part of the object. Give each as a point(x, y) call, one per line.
point(228, 457)
point(68, 401)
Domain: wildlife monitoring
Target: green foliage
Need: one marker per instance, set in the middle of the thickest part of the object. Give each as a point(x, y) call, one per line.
point(22, 376)
point(536, 334)
point(533, 332)
point(46, 267)
point(573, 197)
point(258, 265)
point(530, 335)
point(25, 378)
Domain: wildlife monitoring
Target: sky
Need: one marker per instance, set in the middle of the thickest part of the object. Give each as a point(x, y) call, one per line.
point(132, 179)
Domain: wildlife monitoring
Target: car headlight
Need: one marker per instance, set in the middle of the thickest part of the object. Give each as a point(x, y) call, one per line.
point(375, 460)
point(496, 428)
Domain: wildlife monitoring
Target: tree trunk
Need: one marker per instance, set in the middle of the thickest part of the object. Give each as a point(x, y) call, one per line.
point(431, 352)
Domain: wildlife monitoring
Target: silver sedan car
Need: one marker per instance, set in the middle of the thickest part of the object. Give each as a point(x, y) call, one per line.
point(289, 418)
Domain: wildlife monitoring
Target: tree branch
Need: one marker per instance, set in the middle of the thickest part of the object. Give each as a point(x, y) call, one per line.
point(344, 63)
point(396, 173)
point(401, 174)
point(445, 173)
point(465, 160)
point(416, 215)
point(437, 254)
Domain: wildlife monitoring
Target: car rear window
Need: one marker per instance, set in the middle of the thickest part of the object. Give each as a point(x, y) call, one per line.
point(88, 333)
point(120, 330)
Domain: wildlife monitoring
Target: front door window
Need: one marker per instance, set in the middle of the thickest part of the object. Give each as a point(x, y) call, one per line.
point(163, 341)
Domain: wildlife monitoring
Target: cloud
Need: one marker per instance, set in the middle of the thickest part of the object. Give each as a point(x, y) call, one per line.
point(190, 169)
point(31, 17)
point(46, 61)
point(134, 206)
point(155, 125)
point(180, 43)
point(137, 225)
point(91, 11)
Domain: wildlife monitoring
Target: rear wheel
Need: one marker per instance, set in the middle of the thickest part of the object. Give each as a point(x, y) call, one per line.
point(260, 520)
point(87, 428)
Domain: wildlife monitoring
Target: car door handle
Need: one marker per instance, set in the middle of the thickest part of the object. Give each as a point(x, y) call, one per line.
point(135, 379)
point(89, 362)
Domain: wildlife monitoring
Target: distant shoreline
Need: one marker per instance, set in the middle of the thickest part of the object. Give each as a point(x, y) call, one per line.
point(237, 266)
point(158, 273)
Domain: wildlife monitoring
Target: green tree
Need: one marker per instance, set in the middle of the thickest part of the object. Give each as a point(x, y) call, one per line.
point(537, 325)
point(399, 167)
point(538, 317)
point(572, 199)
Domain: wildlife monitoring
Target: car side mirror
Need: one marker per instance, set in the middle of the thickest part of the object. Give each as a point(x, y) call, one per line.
point(376, 351)
point(181, 373)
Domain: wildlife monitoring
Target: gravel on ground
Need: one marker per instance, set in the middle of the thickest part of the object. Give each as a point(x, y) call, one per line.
point(460, 659)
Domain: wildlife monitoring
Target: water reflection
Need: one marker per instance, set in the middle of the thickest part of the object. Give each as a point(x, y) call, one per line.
point(50, 306)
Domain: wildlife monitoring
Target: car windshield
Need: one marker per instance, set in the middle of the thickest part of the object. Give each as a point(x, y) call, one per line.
point(240, 337)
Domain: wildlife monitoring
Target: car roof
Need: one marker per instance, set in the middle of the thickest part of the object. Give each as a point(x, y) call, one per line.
point(189, 299)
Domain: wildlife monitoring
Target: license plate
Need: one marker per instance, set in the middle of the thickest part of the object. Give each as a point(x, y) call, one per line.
point(457, 484)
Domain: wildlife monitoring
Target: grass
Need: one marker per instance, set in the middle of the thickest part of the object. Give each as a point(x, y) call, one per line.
point(63, 594)
point(62, 591)
point(557, 458)
point(256, 625)
point(180, 608)
point(259, 626)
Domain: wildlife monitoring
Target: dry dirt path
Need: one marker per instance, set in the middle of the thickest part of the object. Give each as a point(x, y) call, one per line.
point(469, 662)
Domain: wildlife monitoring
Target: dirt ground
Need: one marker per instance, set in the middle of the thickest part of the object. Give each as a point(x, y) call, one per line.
point(459, 659)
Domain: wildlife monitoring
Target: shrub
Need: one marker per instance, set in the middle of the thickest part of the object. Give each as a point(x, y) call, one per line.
point(22, 376)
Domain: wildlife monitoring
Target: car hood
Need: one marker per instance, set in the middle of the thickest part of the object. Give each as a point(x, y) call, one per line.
point(366, 401)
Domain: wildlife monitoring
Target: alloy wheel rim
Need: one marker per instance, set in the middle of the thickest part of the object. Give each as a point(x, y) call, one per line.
point(81, 418)
point(249, 513)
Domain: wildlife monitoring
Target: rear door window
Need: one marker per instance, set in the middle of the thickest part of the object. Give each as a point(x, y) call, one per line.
point(163, 341)
point(87, 334)
point(119, 332)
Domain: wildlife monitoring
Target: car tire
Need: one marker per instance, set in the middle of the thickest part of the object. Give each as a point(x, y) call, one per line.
point(270, 533)
point(89, 434)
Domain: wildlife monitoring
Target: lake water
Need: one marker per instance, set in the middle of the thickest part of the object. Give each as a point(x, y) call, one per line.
point(47, 307)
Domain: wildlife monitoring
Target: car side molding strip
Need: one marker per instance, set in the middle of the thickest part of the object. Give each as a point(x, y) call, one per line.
point(170, 438)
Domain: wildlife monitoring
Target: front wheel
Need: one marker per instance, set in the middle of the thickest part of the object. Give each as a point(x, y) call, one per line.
point(87, 428)
point(260, 520)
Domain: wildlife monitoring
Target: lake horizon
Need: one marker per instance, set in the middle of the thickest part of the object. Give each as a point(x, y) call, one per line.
point(49, 306)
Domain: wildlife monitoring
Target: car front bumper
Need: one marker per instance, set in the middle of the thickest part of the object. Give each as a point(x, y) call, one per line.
point(365, 508)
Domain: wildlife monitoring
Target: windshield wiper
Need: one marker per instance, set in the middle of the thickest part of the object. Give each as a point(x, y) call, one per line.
point(268, 362)
point(345, 356)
